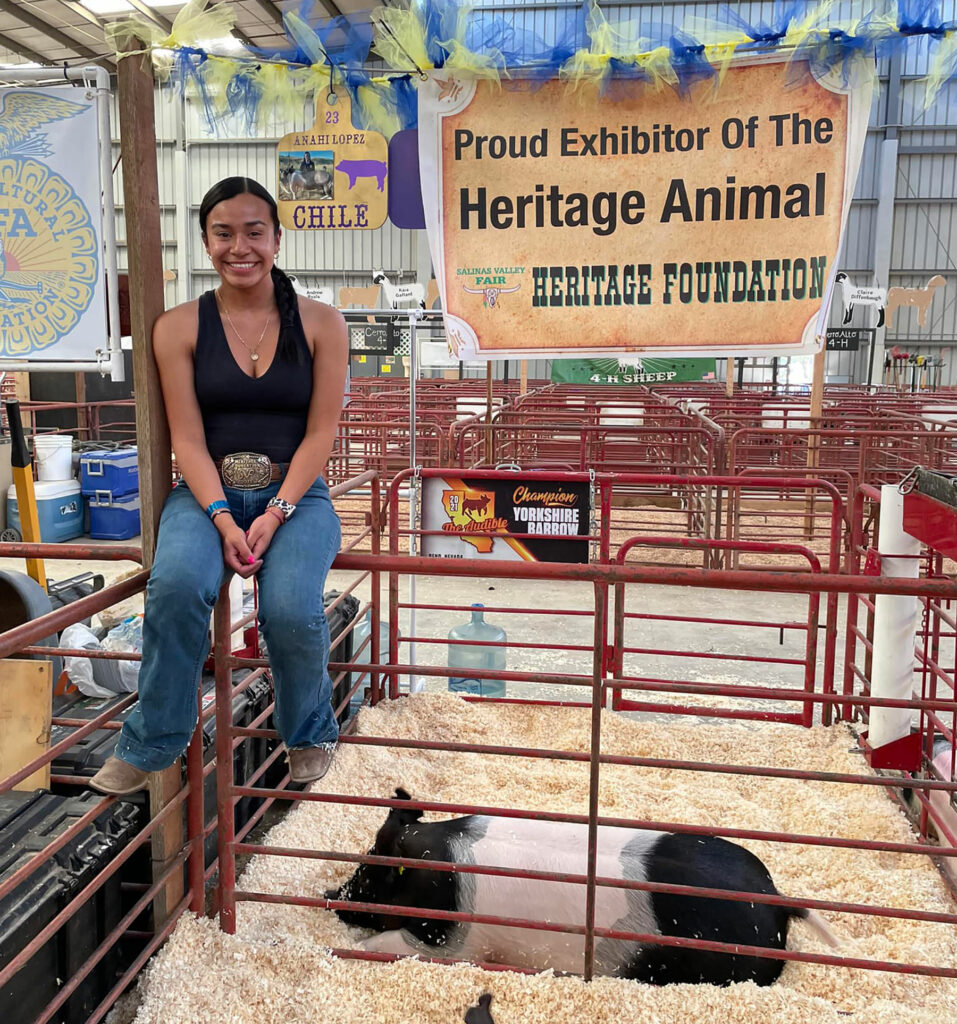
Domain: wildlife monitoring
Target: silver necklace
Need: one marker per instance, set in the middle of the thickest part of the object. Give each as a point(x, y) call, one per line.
point(253, 352)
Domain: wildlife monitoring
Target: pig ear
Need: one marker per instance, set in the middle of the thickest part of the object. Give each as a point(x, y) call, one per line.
point(401, 794)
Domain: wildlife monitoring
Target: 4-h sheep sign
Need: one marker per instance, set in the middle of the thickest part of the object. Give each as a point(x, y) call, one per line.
point(568, 224)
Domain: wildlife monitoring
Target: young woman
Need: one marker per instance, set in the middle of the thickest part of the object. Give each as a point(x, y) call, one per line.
point(253, 379)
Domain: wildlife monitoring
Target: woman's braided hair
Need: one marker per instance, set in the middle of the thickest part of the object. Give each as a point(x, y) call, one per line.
point(286, 299)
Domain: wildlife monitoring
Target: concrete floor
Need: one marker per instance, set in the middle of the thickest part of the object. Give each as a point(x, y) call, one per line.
point(538, 614)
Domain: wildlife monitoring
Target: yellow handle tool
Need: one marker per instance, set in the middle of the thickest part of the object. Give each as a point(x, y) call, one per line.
point(22, 466)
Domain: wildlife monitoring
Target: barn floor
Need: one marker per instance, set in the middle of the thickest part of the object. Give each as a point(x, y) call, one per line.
point(277, 968)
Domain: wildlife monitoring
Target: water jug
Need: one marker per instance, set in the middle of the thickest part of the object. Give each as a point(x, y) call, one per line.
point(364, 657)
point(466, 657)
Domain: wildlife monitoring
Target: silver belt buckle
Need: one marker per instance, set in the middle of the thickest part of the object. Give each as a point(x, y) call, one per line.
point(246, 471)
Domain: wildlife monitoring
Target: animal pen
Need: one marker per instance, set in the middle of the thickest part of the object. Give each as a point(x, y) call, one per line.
point(731, 709)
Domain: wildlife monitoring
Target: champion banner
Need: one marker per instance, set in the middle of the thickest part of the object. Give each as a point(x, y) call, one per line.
point(52, 290)
point(473, 517)
point(643, 220)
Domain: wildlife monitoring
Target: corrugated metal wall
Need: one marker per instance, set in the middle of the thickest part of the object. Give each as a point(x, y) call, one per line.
point(924, 220)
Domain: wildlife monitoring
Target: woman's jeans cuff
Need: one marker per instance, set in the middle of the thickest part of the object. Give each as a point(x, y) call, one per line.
point(147, 759)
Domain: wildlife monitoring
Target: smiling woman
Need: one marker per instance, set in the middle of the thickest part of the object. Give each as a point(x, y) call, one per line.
point(252, 430)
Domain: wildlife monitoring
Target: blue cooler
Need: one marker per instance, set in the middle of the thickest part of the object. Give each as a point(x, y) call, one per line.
point(113, 518)
point(114, 471)
point(59, 509)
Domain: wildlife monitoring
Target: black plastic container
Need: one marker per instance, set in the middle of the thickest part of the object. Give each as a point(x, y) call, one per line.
point(89, 754)
point(28, 823)
point(340, 617)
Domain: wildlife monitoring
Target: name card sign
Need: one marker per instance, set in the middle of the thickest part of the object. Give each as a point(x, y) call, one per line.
point(365, 338)
point(332, 177)
point(848, 339)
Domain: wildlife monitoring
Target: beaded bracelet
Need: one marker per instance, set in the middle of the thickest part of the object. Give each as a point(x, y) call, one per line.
point(217, 506)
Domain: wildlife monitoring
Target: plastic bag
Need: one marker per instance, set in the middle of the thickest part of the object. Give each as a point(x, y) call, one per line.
point(80, 670)
point(121, 676)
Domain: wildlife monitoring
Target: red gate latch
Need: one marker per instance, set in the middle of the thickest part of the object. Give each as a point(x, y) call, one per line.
point(872, 562)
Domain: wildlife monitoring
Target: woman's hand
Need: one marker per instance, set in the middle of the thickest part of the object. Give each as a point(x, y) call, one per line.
point(237, 551)
point(260, 534)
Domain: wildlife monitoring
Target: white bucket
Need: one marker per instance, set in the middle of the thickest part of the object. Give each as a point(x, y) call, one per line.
point(54, 456)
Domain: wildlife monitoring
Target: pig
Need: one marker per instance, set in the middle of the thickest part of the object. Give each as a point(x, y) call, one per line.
point(356, 169)
point(673, 858)
point(942, 802)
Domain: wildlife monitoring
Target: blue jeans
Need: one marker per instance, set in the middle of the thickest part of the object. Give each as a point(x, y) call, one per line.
point(184, 583)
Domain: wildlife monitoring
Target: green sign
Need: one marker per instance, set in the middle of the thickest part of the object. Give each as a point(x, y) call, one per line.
point(631, 370)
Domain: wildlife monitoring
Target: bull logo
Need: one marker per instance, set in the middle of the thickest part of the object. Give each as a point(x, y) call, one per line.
point(490, 295)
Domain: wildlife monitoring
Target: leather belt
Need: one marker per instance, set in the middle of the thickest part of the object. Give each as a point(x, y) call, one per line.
point(249, 471)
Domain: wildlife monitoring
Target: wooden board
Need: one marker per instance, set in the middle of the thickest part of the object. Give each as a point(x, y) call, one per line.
point(144, 245)
point(26, 689)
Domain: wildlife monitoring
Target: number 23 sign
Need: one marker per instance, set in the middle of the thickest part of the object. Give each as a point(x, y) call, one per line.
point(333, 177)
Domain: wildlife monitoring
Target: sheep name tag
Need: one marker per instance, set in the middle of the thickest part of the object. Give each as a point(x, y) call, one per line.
point(332, 177)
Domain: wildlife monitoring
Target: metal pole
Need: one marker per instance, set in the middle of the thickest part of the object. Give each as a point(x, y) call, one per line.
point(116, 368)
point(413, 493)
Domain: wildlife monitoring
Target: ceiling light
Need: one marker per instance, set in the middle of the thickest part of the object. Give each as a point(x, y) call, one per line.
point(107, 6)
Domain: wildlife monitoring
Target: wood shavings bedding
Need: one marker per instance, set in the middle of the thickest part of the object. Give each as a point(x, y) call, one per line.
point(277, 968)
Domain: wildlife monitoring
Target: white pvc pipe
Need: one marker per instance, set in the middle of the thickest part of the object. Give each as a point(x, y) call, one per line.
point(895, 624)
point(114, 363)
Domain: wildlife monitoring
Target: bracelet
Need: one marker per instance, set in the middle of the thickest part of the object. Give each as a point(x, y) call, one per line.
point(217, 506)
point(275, 511)
point(217, 512)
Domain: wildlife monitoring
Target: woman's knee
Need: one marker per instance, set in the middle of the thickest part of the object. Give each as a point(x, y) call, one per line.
point(189, 581)
point(285, 613)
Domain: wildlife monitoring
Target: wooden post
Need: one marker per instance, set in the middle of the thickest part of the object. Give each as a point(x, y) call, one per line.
point(167, 840)
point(489, 444)
point(21, 390)
point(82, 414)
point(814, 439)
point(144, 246)
point(729, 383)
point(523, 377)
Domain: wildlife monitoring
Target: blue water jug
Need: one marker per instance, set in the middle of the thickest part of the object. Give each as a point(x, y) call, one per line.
point(464, 658)
point(364, 657)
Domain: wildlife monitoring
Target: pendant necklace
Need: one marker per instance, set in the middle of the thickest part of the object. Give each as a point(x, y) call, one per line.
point(253, 352)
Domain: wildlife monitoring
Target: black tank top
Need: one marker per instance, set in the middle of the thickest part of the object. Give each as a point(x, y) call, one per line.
point(243, 413)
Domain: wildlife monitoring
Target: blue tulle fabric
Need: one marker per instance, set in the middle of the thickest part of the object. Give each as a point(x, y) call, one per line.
point(456, 33)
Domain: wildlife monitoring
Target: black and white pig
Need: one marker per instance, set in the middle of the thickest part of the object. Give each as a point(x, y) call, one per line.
point(641, 855)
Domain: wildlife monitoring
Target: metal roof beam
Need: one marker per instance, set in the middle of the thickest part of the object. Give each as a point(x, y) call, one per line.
point(24, 51)
point(270, 10)
point(28, 18)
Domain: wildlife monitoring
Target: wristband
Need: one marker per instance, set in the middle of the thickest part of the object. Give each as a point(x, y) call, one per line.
point(217, 506)
point(217, 512)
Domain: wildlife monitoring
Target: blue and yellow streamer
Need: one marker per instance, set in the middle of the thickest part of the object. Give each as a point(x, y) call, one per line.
point(584, 48)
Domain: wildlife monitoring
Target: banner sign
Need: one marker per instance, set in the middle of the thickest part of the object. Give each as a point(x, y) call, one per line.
point(643, 220)
point(52, 286)
point(472, 516)
point(848, 339)
point(334, 176)
point(631, 370)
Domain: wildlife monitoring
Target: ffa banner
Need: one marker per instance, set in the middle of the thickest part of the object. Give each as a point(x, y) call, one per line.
point(52, 291)
point(471, 517)
point(642, 220)
point(631, 370)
